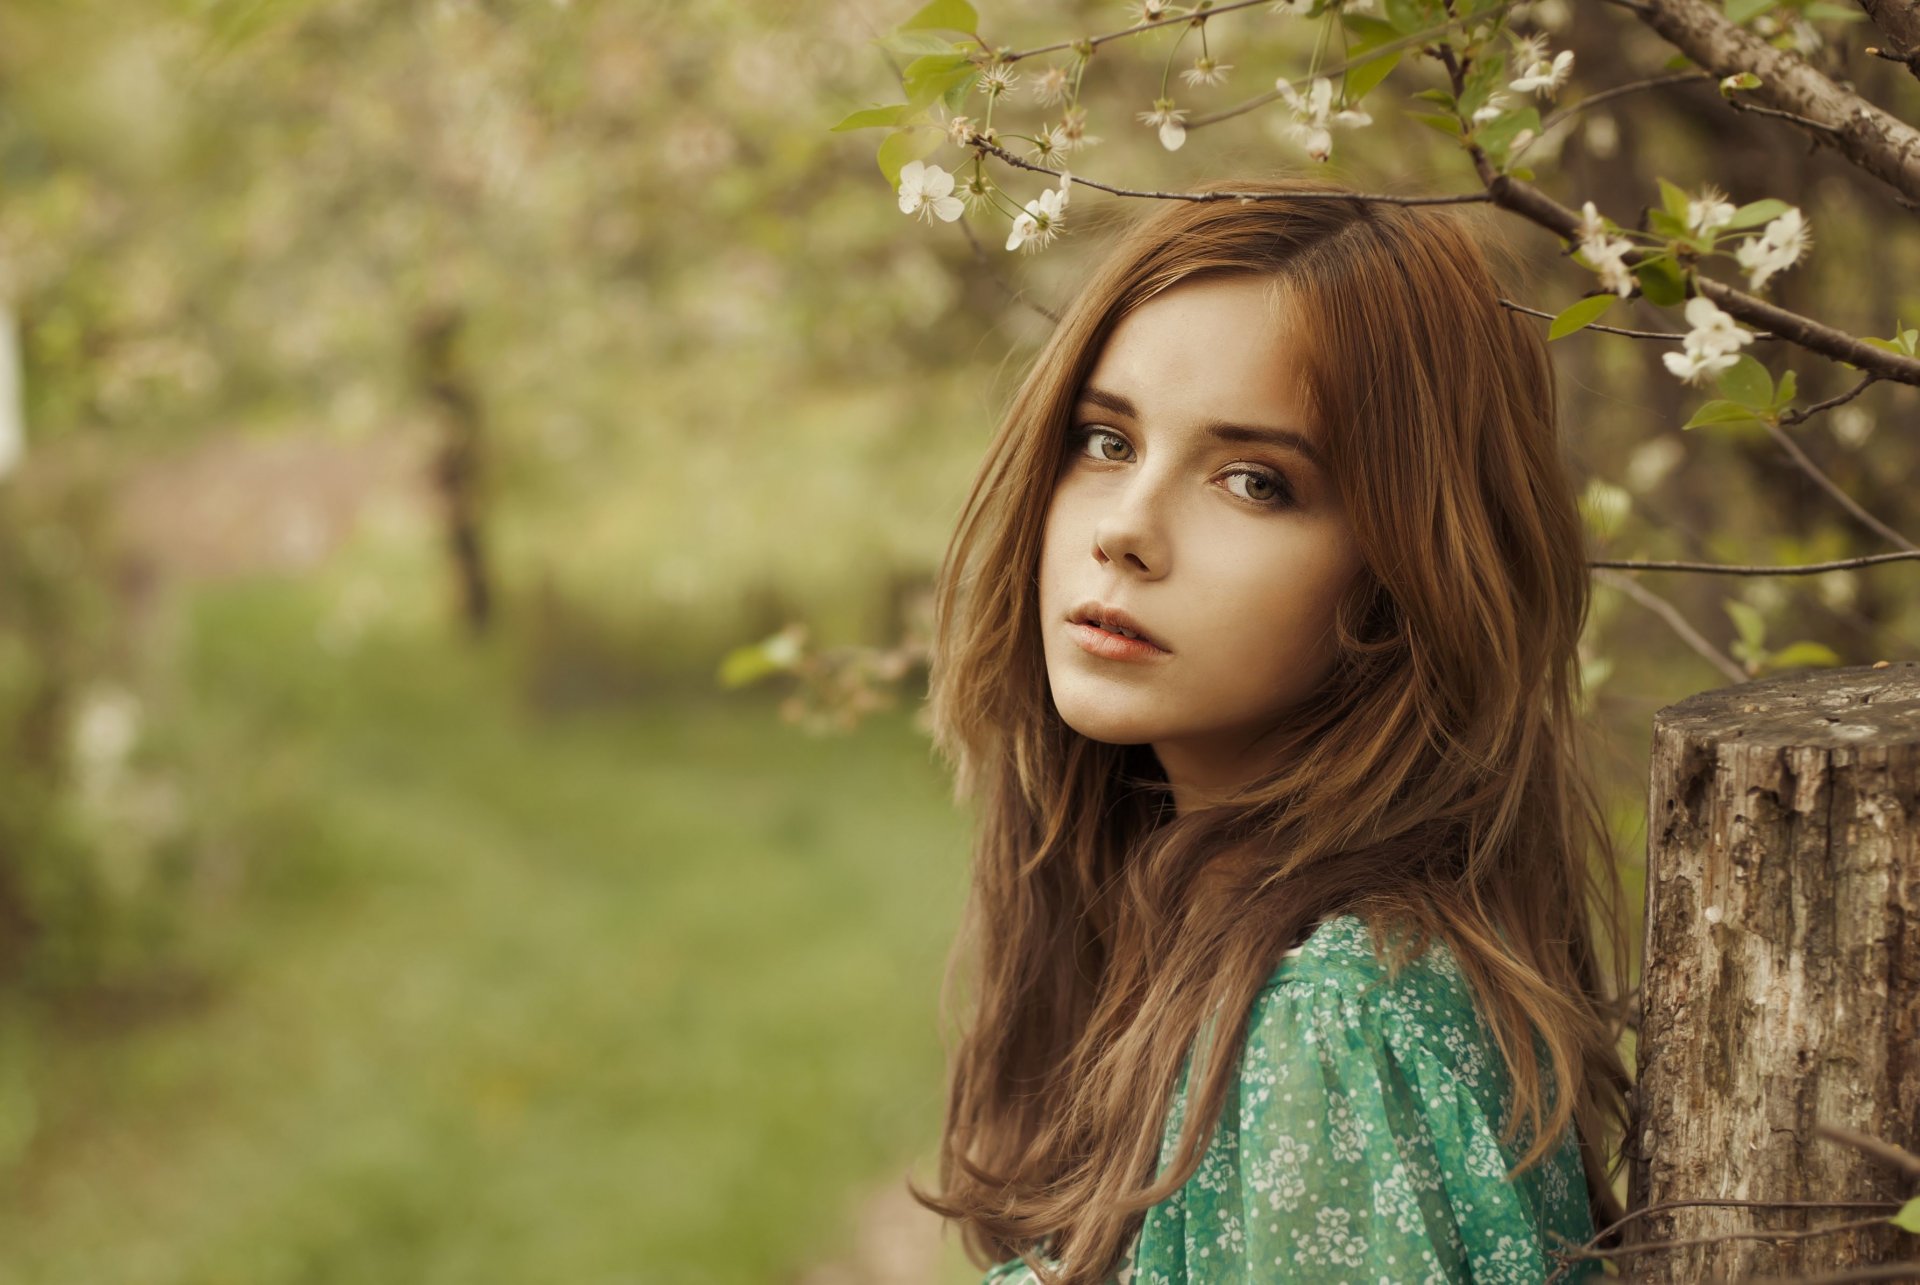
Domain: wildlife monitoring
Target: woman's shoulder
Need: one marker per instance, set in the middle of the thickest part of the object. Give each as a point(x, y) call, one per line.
point(1342, 948)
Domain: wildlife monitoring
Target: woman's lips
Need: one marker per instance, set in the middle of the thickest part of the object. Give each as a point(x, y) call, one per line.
point(1097, 641)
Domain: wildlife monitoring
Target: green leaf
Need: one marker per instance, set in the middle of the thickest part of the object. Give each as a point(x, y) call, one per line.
point(868, 118)
point(906, 145)
point(1580, 315)
point(1671, 226)
point(1748, 620)
point(927, 78)
point(1673, 200)
point(944, 15)
point(956, 96)
point(1679, 62)
point(1661, 281)
point(1409, 16)
point(1441, 96)
point(1748, 383)
point(1783, 396)
point(1361, 80)
point(1801, 654)
point(1832, 13)
point(1756, 213)
point(1908, 1219)
point(1366, 33)
point(1720, 412)
point(1434, 120)
point(1739, 11)
point(1497, 135)
point(914, 44)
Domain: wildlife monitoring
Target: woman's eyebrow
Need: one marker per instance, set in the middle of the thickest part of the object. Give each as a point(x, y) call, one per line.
point(1288, 438)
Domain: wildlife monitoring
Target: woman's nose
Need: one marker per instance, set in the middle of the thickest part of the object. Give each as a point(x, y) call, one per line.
point(1131, 530)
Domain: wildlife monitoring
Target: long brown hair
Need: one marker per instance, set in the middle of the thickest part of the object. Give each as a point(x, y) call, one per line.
point(1436, 782)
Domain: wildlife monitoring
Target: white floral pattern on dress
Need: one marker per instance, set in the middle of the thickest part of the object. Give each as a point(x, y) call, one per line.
point(1361, 1143)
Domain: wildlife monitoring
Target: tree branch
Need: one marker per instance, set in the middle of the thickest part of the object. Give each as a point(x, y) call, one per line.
point(1463, 198)
point(1668, 335)
point(1827, 484)
point(1790, 569)
point(1094, 42)
point(1879, 143)
point(1530, 202)
point(1678, 623)
point(1899, 22)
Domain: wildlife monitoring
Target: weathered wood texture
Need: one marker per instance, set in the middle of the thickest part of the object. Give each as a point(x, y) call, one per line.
point(1782, 978)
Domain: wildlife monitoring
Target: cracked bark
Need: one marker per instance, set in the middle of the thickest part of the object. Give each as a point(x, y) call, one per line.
point(1782, 984)
point(1879, 143)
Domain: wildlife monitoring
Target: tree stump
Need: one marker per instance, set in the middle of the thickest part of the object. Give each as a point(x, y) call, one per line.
point(1781, 986)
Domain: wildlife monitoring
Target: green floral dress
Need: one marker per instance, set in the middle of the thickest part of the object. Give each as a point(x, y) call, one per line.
point(1362, 1143)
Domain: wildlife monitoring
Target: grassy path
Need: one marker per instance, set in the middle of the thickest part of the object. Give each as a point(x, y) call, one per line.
point(634, 996)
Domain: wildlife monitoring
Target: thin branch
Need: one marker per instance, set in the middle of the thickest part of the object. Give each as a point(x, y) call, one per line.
point(1589, 1249)
point(1678, 623)
point(986, 265)
point(1595, 99)
point(1670, 336)
point(1463, 198)
point(1879, 1148)
point(1371, 55)
point(1827, 484)
point(1727, 569)
point(1818, 127)
point(1013, 56)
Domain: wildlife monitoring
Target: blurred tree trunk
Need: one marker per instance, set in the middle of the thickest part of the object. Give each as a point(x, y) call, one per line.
point(1782, 981)
point(448, 386)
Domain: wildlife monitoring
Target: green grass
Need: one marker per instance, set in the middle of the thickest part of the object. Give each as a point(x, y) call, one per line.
point(644, 994)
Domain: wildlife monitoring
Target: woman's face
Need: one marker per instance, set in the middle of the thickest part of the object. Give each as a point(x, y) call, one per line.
point(1189, 498)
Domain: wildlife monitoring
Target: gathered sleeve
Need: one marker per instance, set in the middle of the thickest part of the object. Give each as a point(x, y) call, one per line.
point(1361, 1143)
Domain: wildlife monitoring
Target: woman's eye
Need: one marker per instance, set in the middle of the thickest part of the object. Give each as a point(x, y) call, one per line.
point(1095, 442)
point(1260, 488)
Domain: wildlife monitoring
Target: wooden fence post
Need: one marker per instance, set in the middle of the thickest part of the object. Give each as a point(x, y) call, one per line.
point(1781, 987)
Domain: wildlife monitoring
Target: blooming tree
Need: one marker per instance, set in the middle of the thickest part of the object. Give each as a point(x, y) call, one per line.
point(1499, 64)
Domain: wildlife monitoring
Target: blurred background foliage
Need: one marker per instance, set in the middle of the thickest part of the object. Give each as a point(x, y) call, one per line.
point(405, 409)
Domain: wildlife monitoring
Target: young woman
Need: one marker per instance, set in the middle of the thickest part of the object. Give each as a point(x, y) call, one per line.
point(1255, 652)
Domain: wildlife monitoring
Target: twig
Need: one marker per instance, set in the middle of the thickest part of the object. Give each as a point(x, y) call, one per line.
point(1758, 110)
point(1725, 569)
point(1678, 623)
point(1589, 1249)
point(1671, 337)
point(1879, 1148)
point(1595, 99)
point(1463, 198)
point(1827, 484)
point(1012, 56)
point(1378, 51)
point(986, 265)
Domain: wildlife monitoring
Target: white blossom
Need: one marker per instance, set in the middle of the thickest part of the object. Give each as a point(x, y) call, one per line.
point(1543, 77)
point(1051, 86)
point(1708, 211)
point(1073, 128)
point(1496, 103)
point(926, 191)
point(1205, 71)
point(1043, 218)
point(1170, 119)
point(998, 79)
point(1775, 249)
point(1711, 346)
point(1606, 253)
point(959, 130)
point(1313, 118)
point(1048, 143)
